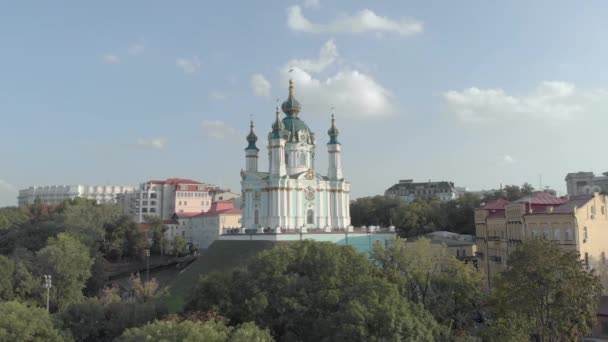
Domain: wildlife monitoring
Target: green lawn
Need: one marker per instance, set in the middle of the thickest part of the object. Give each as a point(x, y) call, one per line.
point(220, 256)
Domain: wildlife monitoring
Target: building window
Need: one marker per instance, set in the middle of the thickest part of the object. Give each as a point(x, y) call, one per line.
point(557, 234)
point(546, 234)
point(464, 252)
point(256, 217)
point(302, 159)
point(457, 252)
point(153, 195)
point(310, 217)
point(144, 210)
point(569, 234)
point(203, 203)
point(587, 260)
point(152, 202)
point(144, 202)
point(585, 234)
point(152, 210)
point(179, 203)
point(185, 203)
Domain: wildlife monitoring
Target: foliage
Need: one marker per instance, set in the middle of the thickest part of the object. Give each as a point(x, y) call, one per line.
point(110, 295)
point(159, 241)
point(512, 192)
point(550, 288)
point(210, 331)
point(85, 220)
point(11, 217)
point(93, 321)
point(418, 217)
point(143, 290)
point(69, 263)
point(123, 240)
point(301, 290)
point(17, 282)
point(427, 275)
point(179, 245)
point(25, 323)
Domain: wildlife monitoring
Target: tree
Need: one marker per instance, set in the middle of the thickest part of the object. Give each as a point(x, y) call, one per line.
point(179, 245)
point(299, 291)
point(94, 321)
point(550, 288)
point(527, 189)
point(7, 268)
point(85, 220)
point(159, 241)
point(427, 275)
point(69, 263)
point(210, 331)
point(110, 295)
point(144, 291)
point(25, 323)
point(11, 217)
point(122, 239)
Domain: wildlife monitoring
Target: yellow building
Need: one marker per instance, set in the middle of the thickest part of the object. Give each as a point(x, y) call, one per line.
point(579, 223)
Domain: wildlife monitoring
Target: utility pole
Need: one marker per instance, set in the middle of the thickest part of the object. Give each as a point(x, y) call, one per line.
point(47, 285)
point(147, 265)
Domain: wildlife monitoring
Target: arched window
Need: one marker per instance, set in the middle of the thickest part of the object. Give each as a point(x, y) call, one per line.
point(310, 216)
point(256, 217)
point(302, 159)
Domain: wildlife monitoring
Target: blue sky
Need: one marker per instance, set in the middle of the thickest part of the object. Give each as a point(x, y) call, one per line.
point(477, 92)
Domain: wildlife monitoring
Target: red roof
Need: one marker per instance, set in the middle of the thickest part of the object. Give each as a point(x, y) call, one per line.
point(174, 181)
point(498, 204)
point(542, 198)
point(186, 215)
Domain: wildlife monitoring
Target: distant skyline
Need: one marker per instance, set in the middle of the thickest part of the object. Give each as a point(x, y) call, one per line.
point(478, 93)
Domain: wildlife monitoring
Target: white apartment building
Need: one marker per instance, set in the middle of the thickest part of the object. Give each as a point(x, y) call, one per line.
point(163, 198)
point(56, 194)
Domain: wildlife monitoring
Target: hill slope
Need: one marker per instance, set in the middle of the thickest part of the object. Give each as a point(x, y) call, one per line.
point(220, 256)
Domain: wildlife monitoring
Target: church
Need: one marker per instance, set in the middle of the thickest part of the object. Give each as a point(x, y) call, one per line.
point(292, 196)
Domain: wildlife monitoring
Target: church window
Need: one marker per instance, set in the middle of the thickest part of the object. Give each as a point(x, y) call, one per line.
point(302, 159)
point(310, 217)
point(256, 217)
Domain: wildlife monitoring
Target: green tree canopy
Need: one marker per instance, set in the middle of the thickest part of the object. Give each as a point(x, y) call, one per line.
point(550, 288)
point(427, 275)
point(85, 220)
point(194, 331)
point(69, 263)
point(19, 322)
point(315, 291)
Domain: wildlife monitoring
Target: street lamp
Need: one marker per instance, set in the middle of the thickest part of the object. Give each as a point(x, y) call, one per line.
point(47, 285)
point(147, 264)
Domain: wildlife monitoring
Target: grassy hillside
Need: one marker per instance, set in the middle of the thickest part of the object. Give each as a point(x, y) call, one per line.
point(220, 256)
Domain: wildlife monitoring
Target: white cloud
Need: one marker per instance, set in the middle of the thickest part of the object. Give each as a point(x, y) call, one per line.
point(312, 3)
point(327, 56)
point(110, 58)
point(189, 65)
point(362, 21)
point(506, 160)
point(260, 85)
point(136, 49)
point(4, 185)
point(218, 129)
point(154, 143)
point(217, 95)
point(352, 92)
point(553, 100)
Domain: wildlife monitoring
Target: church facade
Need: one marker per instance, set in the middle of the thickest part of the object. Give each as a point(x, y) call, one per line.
point(291, 195)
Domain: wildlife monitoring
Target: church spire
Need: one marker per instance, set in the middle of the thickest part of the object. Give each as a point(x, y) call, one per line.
point(291, 106)
point(333, 131)
point(277, 126)
point(251, 137)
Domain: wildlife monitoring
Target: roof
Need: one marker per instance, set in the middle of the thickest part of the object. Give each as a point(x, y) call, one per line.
point(174, 181)
point(185, 215)
point(568, 207)
point(424, 185)
point(498, 204)
point(542, 198)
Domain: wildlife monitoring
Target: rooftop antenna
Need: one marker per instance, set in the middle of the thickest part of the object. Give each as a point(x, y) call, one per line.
point(540, 181)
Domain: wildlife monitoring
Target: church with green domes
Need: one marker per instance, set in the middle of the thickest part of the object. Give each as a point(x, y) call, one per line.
point(292, 195)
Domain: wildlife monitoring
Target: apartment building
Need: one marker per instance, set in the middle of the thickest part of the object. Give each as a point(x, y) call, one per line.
point(163, 198)
point(579, 223)
point(408, 191)
point(586, 183)
point(56, 194)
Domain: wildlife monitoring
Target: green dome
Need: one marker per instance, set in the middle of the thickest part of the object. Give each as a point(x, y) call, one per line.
point(293, 128)
point(252, 138)
point(333, 132)
point(291, 106)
